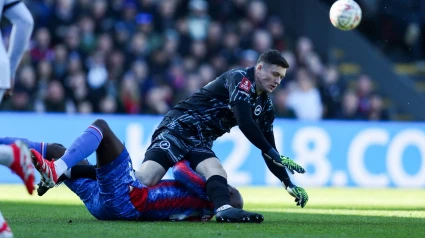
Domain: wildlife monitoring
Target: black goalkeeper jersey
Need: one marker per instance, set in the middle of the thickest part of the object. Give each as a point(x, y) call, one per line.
point(208, 113)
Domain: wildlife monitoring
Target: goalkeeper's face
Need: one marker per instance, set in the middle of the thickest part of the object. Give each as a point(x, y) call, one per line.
point(236, 199)
point(268, 77)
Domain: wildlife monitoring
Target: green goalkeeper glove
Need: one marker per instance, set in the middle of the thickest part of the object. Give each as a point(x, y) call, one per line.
point(284, 161)
point(291, 165)
point(300, 195)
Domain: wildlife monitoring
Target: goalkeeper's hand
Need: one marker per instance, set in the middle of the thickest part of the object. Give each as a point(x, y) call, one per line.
point(291, 165)
point(284, 161)
point(300, 195)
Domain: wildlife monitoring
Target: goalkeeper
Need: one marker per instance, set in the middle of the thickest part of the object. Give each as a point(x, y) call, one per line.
point(237, 97)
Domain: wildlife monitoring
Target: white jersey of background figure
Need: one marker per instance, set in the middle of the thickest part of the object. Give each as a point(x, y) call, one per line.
point(20, 17)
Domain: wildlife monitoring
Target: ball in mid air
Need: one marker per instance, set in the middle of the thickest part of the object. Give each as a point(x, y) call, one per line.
point(345, 14)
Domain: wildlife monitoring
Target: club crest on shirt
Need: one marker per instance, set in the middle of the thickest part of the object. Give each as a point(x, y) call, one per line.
point(245, 84)
point(164, 145)
point(257, 110)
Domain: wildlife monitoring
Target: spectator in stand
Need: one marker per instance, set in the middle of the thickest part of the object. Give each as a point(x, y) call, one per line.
point(377, 111)
point(55, 98)
point(304, 97)
point(331, 91)
point(144, 56)
point(350, 107)
point(364, 89)
point(280, 107)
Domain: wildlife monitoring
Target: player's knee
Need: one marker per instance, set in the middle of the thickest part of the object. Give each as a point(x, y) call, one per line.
point(55, 151)
point(102, 125)
point(146, 179)
point(218, 171)
point(150, 173)
point(57, 145)
point(211, 167)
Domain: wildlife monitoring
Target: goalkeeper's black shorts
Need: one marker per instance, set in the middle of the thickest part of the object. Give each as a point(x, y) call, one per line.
point(167, 148)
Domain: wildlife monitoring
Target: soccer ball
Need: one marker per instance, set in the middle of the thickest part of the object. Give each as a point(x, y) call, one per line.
point(345, 14)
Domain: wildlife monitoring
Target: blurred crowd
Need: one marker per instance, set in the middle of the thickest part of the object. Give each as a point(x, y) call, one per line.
point(144, 56)
point(395, 26)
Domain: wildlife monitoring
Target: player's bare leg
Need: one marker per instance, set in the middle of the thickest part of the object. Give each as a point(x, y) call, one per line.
point(196, 183)
point(218, 192)
point(150, 173)
point(52, 152)
point(47, 150)
point(55, 151)
point(97, 137)
point(110, 147)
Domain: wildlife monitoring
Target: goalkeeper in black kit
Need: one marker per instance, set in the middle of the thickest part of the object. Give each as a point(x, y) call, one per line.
point(237, 97)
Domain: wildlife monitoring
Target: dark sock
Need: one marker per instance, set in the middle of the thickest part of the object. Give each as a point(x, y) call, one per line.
point(83, 171)
point(218, 191)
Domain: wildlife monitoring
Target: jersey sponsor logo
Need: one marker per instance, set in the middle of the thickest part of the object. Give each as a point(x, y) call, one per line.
point(245, 84)
point(164, 145)
point(257, 110)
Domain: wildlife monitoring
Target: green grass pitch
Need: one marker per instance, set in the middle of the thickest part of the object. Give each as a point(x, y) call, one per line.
point(331, 212)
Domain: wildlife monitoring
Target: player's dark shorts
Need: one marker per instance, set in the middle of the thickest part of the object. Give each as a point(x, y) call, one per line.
point(108, 197)
point(177, 146)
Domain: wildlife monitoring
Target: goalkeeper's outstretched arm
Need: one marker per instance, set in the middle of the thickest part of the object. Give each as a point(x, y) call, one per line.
point(253, 133)
point(251, 130)
point(278, 171)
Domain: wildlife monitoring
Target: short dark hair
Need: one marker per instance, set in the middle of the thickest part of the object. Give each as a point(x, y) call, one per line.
point(273, 57)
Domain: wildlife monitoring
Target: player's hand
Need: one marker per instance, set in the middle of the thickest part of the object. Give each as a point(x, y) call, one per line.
point(291, 165)
point(283, 161)
point(300, 195)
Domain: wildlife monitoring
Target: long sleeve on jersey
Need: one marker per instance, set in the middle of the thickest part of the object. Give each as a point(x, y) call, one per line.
point(23, 24)
point(243, 116)
point(278, 171)
point(262, 140)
